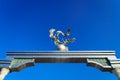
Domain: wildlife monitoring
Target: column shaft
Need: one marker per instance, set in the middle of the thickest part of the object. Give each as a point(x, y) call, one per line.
point(116, 71)
point(3, 73)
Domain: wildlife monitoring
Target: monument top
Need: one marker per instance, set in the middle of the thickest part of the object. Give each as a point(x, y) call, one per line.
point(103, 60)
point(61, 42)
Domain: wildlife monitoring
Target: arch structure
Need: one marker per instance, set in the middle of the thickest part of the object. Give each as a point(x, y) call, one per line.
point(105, 61)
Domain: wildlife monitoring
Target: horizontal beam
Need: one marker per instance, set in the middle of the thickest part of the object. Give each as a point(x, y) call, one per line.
point(4, 63)
point(98, 59)
point(61, 54)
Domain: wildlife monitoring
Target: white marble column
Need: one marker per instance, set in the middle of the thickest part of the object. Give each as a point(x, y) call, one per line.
point(116, 71)
point(3, 73)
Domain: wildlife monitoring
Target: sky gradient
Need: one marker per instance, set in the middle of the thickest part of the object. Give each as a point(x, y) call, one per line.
point(25, 24)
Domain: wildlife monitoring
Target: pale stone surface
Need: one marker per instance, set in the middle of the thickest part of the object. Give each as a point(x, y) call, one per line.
point(116, 71)
point(3, 73)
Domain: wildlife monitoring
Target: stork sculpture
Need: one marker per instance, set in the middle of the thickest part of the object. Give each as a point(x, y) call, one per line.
point(61, 44)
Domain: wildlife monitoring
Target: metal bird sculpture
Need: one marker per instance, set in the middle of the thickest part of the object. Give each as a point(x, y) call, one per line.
point(56, 39)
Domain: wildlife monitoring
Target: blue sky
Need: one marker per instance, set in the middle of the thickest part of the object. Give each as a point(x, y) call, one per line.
point(24, 26)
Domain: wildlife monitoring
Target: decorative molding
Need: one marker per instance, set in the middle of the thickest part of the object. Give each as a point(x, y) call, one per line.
point(103, 60)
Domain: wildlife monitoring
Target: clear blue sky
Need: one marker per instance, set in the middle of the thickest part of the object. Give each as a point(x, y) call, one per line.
point(24, 26)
